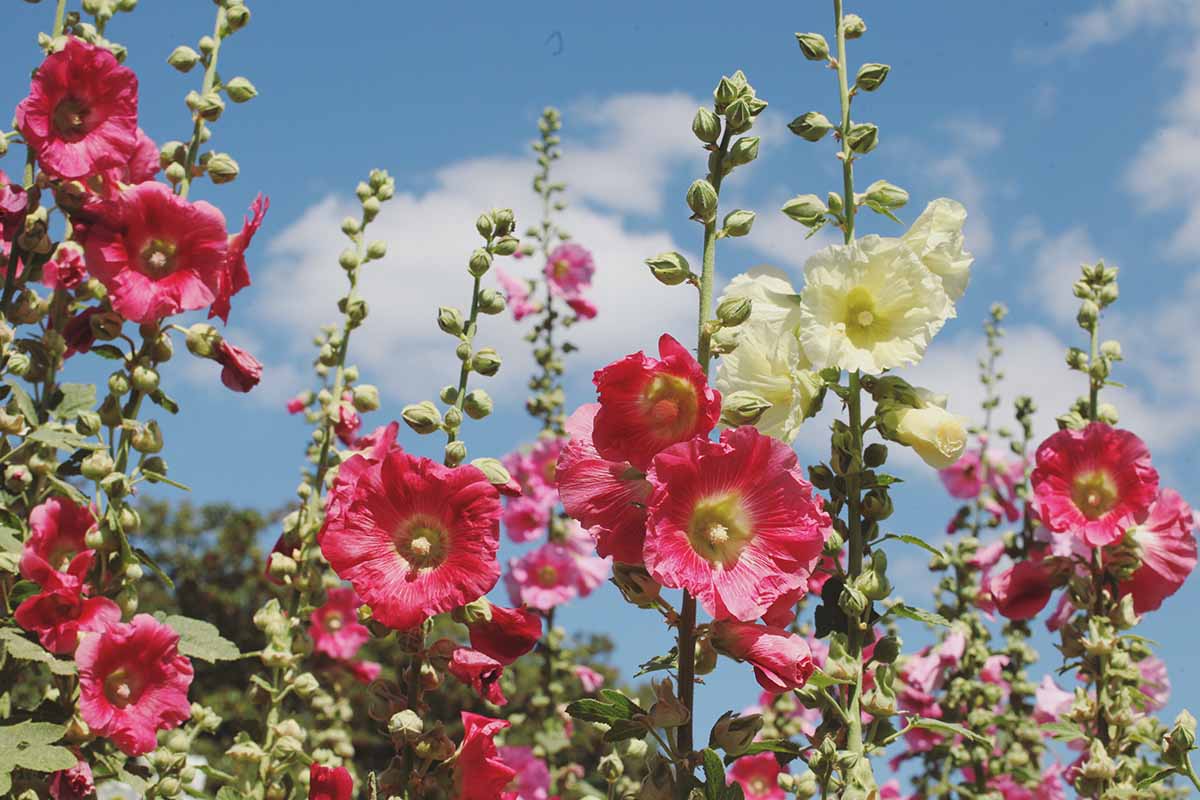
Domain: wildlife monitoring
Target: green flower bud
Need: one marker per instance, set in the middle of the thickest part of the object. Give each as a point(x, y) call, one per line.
point(406, 725)
point(728, 90)
point(706, 125)
point(456, 453)
point(147, 438)
point(807, 209)
point(1089, 312)
point(493, 470)
point(486, 362)
point(422, 417)
point(450, 320)
point(670, 269)
point(636, 585)
point(448, 394)
point(505, 222)
point(611, 768)
point(203, 340)
point(237, 17)
point(175, 173)
point(882, 196)
point(853, 26)
point(852, 601)
point(366, 398)
point(485, 225)
point(183, 58)
point(479, 263)
point(348, 259)
point(742, 408)
point(739, 114)
point(737, 223)
point(706, 657)
point(733, 733)
point(370, 208)
point(115, 485)
point(667, 711)
point(109, 411)
point(491, 302)
point(871, 76)
point(733, 311)
point(376, 249)
point(118, 383)
point(240, 90)
point(1099, 765)
point(877, 505)
point(145, 379)
point(659, 783)
point(863, 137)
point(887, 649)
point(1111, 349)
point(17, 478)
point(811, 127)
point(1107, 413)
point(744, 151)
point(209, 106)
point(875, 455)
point(88, 423)
point(506, 246)
point(477, 404)
point(702, 200)
point(813, 46)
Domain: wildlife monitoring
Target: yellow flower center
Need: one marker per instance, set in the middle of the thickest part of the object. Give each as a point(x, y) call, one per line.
point(70, 119)
point(720, 528)
point(422, 543)
point(333, 621)
point(864, 324)
point(670, 405)
point(158, 258)
point(1094, 494)
point(547, 575)
point(121, 688)
point(758, 785)
point(562, 268)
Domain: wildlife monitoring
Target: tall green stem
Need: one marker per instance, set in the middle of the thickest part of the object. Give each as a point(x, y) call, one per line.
point(210, 80)
point(60, 14)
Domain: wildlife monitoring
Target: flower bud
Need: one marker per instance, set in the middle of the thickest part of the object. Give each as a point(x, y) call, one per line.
point(1107, 413)
point(115, 485)
point(936, 435)
point(480, 262)
point(659, 783)
point(636, 585)
point(706, 657)
point(145, 379)
point(406, 725)
point(882, 196)
point(1089, 312)
point(477, 404)
point(738, 114)
point(744, 151)
point(737, 223)
point(733, 311)
point(175, 173)
point(702, 200)
point(742, 408)
point(491, 302)
point(667, 711)
point(221, 168)
point(1099, 765)
point(118, 383)
point(811, 126)
point(456, 453)
point(733, 733)
point(611, 768)
point(17, 478)
point(209, 106)
point(240, 89)
point(807, 209)
point(813, 46)
point(493, 470)
point(871, 76)
point(1111, 349)
point(450, 320)
point(887, 649)
point(852, 601)
point(485, 225)
point(506, 246)
point(875, 455)
point(706, 125)
point(183, 58)
point(505, 221)
point(147, 438)
point(366, 398)
point(203, 340)
point(877, 504)
point(237, 17)
point(863, 137)
point(486, 362)
point(853, 26)
point(422, 417)
point(670, 268)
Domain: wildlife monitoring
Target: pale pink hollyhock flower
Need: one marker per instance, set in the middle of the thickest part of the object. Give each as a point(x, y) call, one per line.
point(543, 578)
point(758, 775)
point(781, 659)
point(950, 651)
point(237, 275)
point(733, 522)
point(891, 790)
point(81, 113)
point(1168, 549)
point(532, 781)
point(1051, 786)
point(1155, 683)
point(65, 269)
point(508, 635)
point(516, 294)
point(133, 683)
point(583, 308)
point(240, 371)
point(647, 404)
point(479, 671)
point(1050, 701)
point(363, 671)
point(334, 626)
point(606, 497)
point(413, 537)
point(60, 613)
point(1094, 483)
point(75, 783)
point(542, 466)
point(569, 270)
point(1061, 613)
point(55, 550)
point(987, 556)
point(592, 569)
point(592, 681)
point(525, 519)
point(1023, 590)
point(993, 671)
point(479, 771)
point(329, 783)
point(158, 254)
point(920, 676)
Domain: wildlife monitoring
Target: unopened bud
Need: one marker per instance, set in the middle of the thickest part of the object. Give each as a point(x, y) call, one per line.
point(702, 200)
point(853, 26)
point(813, 46)
point(670, 268)
point(422, 417)
point(807, 209)
point(477, 404)
point(486, 362)
point(456, 453)
point(183, 58)
point(706, 125)
point(811, 127)
point(733, 311)
point(743, 408)
point(863, 137)
point(450, 320)
point(871, 76)
point(737, 223)
point(240, 89)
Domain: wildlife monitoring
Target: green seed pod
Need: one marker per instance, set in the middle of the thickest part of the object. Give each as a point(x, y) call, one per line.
point(813, 46)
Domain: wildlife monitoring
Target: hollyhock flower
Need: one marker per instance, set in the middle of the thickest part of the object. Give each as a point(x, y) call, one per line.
point(987, 556)
point(348, 421)
point(1050, 702)
point(525, 519)
point(569, 270)
point(591, 570)
point(1023, 590)
point(543, 578)
point(133, 683)
point(14, 202)
point(1094, 483)
point(532, 781)
point(936, 435)
point(363, 671)
point(508, 635)
point(78, 333)
point(993, 671)
point(1061, 613)
point(81, 113)
point(1168, 552)
point(158, 254)
point(65, 269)
point(335, 628)
point(541, 467)
point(237, 275)
point(479, 671)
point(647, 405)
point(479, 771)
point(59, 614)
point(75, 783)
point(782, 660)
point(758, 775)
point(516, 293)
point(143, 164)
point(936, 238)
point(1155, 684)
point(297, 404)
point(592, 681)
point(413, 537)
point(329, 783)
point(891, 790)
point(733, 522)
point(55, 552)
point(583, 308)
point(870, 305)
point(240, 371)
point(606, 497)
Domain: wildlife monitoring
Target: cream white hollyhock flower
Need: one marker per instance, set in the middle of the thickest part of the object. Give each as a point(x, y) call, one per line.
point(870, 305)
point(768, 361)
point(938, 436)
point(937, 238)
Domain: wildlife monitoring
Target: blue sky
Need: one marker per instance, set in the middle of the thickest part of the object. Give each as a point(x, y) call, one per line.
point(1068, 130)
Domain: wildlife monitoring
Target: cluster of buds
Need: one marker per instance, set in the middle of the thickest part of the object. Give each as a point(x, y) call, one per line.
point(1096, 289)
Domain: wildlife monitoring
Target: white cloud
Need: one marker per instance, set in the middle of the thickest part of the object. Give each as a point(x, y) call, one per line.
point(1112, 21)
point(1054, 267)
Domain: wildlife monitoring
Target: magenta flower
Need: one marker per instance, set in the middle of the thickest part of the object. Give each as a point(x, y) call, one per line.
point(240, 371)
point(543, 578)
point(782, 660)
point(335, 628)
point(1168, 548)
point(516, 293)
point(479, 671)
point(55, 552)
point(758, 775)
point(65, 269)
point(479, 771)
point(237, 275)
point(60, 613)
point(75, 783)
point(1050, 702)
point(525, 518)
point(532, 781)
point(569, 270)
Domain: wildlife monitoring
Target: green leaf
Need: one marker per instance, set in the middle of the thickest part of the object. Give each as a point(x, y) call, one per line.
point(67, 489)
point(160, 398)
point(10, 540)
point(823, 680)
point(111, 352)
point(592, 710)
point(948, 728)
point(20, 648)
point(24, 403)
point(783, 747)
point(156, 478)
point(918, 614)
point(62, 438)
point(73, 399)
point(714, 775)
point(613, 697)
point(624, 729)
point(669, 660)
point(1161, 775)
point(145, 558)
point(30, 745)
point(1063, 731)
point(200, 639)
point(917, 541)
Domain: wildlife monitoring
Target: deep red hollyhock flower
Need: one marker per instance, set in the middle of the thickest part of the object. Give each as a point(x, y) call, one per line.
point(60, 613)
point(78, 332)
point(348, 421)
point(479, 671)
point(414, 538)
point(782, 660)
point(237, 274)
point(479, 771)
point(647, 405)
point(14, 203)
point(158, 254)
point(1094, 483)
point(81, 113)
point(297, 404)
point(583, 308)
point(1023, 590)
point(143, 163)
point(55, 553)
point(75, 783)
point(133, 683)
point(335, 628)
point(329, 783)
point(1168, 547)
point(508, 635)
point(606, 497)
point(240, 371)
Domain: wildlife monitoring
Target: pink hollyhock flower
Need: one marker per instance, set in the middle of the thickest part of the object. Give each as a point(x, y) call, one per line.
point(1155, 684)
point(143, 164)
point(363, 671)
point(508, 635)
point(987, 556)
point(240, 371)
point(1168, 550)
point(1023, 590)
point(413, 537)
point(569, 270)
point(993, 672)
point(1094, 483)
point(891, 790)
point(479, 771)
point(55, 552)
point(133, 683)
point(525, 518)
point(543, 578)
point(237, 275)
point(532, 781)
point(647, 405)
point(1051, 786)
point(758, 775)
point(158, 254)
point(592, 681)
point(335, 628)
point(606, 497)
point(329, 783)
point(348, 421)
point(81, 113)
point(78, 333)
point(65, 269)
point(479, 671)
point(734, 522)
point(542, 466)
point(1061, 613)
point(297, 404)
point(781, 659)
point(1050, 702)
point(75, 783)
point(14, 201)
point(583, 308)
point(950, 651)
point(516, 293)
point(591, 569)
point(59, 614)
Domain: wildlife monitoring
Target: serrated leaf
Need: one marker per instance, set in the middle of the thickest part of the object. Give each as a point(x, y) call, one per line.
point(592, 710)
point(1063, 731)
point(20, 648)
point(781, 746)
point(24, 403)
point(45, 758)
point(669, 660)
point(73, 399)
point(624, 729)
point(200, 639)
point(714, 775)
point(918, 614)
point(948, 728)
point(62, 438)
point(30, 745)
point(627, 705)
point(916, 541)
